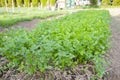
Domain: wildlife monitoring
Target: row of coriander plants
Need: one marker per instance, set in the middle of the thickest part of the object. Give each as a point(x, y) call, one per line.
point(74, 39)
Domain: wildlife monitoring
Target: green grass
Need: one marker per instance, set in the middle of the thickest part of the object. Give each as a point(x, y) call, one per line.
point(24, 14)
point(74, 39)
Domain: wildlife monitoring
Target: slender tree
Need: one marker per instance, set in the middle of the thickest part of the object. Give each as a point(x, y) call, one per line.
point(27, 3)
point(9, 3)
point(13, 5)
point(19, 3)
point(6, 5)
point(52, 2)
point(35, 3)
point(43, 3)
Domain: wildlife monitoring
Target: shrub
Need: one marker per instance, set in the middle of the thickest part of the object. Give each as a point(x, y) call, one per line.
point(74, 39)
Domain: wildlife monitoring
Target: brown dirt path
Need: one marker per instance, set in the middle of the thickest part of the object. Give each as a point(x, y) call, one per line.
point(114, 52)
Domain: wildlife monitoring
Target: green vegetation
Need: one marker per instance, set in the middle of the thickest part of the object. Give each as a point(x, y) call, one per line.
point(116, 2)
point(35, 3)
point(19, 3)
point(9, 3)
point(105, 2)
point(93, 2)
point(52, 2)
point(111, 3)
point(74, 39)
point(24, 14)
point(2, 3)
point(43, 3)
point(27, 3)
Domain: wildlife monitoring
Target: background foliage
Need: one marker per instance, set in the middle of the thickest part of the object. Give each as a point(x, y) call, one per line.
point(19, 3)
point(116, 2)
point(43, 3)
point(26, 3)
point(105, 2)
point(35, 3)
point(52, 2)
point(93, 2)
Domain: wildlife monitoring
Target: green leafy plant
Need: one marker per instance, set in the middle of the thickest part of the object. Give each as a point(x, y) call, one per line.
point(74, 39)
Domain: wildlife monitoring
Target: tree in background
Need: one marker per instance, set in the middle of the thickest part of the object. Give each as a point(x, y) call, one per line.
point(6, 6)
point(43, 3)
point(105, 2)
point(35, 3)
point(93, 2)
point(13, 5)
point(9, 3)
point(116, 2)
point(3, 3)
point(0, 4)
point(19, 3)
point(52, 2)
point(27, 3)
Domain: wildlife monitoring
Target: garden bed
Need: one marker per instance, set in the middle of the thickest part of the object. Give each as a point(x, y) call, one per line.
point(80, 38)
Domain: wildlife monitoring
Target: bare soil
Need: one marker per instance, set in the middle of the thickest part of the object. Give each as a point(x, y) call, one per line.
point(113, 54)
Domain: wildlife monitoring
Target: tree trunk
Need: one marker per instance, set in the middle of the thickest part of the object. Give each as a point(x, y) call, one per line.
point(6, 6)
point(13, 6)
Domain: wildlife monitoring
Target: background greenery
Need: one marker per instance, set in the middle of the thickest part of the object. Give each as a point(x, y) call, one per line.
point(24, 14)
point(27, 3)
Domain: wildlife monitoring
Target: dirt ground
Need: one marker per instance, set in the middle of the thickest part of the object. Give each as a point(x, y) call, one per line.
point(113, 54)
point(30, 24)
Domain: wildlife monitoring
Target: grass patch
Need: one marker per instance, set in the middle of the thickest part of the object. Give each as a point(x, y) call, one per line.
point(24, 14)
point(74, 39)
